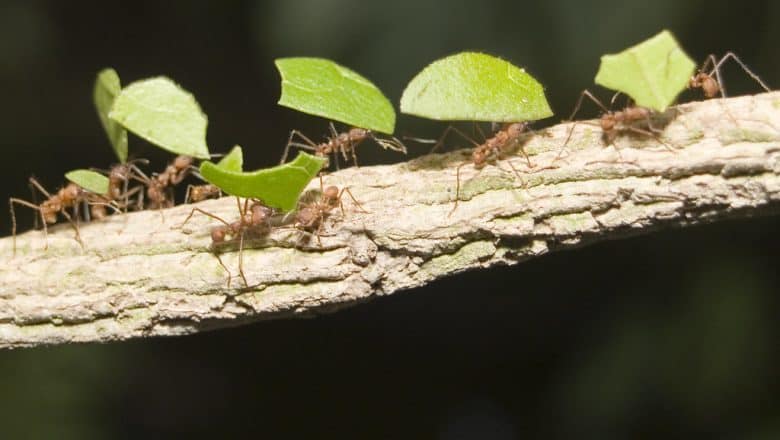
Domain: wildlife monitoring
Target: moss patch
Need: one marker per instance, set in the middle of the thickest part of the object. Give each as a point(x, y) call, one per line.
point(464, 257)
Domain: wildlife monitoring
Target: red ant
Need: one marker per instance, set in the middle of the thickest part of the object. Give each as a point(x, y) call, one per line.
point(711, 85)
point(310, 215)
point(159, 187)
point(254, 220)
point(344, 143)
point(490, 151)
point(119, 177)
point(69, 196)
point(613, 123)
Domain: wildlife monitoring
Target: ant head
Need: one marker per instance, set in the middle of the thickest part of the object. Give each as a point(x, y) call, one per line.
point(479, 157)
point(710, 87)
point(218, 234)
point(181, 162)
point(70, 192)
point(358, 134)
point(98, 212)
point(260, 213)
point(306, 217)
point(331, 193)
point(608, 122)
point(119, 172)
point(515, 129)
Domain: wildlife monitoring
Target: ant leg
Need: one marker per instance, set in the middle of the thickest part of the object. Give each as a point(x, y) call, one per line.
point(709, 61)
point(187, 193)
point(653, 135)
point(346, 189)
point(525, 155)
point(447, 130)
point(34, 199)
point(457, 187)
point(586, 93)
point(318, 233)
point(75, 228)
point(241, 258)
point(517, 173)
point(34, 182)
point(332, 128)
point(11, 202)
point(290, 143)
point(336, 159)
point(568, 138)
point(128, 194)
point(221, 263)
point(733, 56)
point(354, 155)
point(206, 213)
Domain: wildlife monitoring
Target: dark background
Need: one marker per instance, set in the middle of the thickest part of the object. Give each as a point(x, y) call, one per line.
point(669, 335)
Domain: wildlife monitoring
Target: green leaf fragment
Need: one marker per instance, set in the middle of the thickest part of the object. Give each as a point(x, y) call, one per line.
point(473, 86)
point(278, 187)
point(163, 113)
point(321, 87)
point(652, 73)
point(91, 181)
point(107, 87)
point(233, 161)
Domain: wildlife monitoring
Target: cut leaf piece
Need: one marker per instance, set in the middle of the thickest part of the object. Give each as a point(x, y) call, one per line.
point(320, 87)
point(652, 73)
point(107, 87)
point(233, 161)
point(278, 187)
point(89, 180)
point(163, 113)
point(472, 86)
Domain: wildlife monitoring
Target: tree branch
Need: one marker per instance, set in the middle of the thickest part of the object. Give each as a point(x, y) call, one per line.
point(140, 276)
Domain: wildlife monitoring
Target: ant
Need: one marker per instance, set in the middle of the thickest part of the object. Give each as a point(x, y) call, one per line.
point(69, 196)
point(615, 122)
point(710, 82)
point(344, 143)
point(311, 214)
point(490, 151)
point(119, 177)
point(254, 220)
point(159, 187)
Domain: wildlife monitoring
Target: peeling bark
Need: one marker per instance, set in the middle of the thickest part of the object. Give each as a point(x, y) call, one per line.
point(141, 276)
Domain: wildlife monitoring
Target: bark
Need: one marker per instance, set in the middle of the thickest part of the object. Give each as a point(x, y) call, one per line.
point(141, 276)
